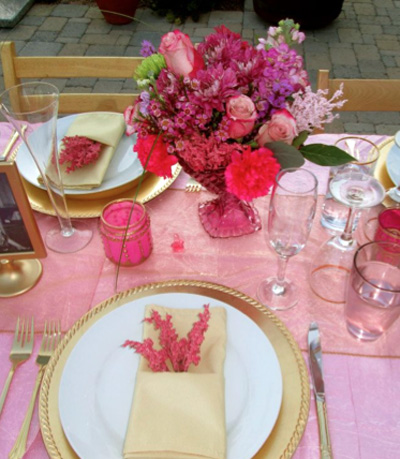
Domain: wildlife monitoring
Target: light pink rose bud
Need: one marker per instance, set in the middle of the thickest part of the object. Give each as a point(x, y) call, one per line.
point(180, 55)
point(281, 127)
point(242, 114)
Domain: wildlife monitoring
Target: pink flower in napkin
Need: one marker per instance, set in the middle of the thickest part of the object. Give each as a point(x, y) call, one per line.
point(281, 127)
point(242, 114)
point(180, 55)
point(79, 151)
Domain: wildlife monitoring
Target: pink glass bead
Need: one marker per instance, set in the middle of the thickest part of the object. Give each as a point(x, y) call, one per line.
point(178, 245)
point(135, 241)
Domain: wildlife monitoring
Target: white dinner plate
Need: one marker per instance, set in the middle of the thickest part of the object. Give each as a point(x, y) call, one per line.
point(393, 161)
point(124, 166)
point(97, 384)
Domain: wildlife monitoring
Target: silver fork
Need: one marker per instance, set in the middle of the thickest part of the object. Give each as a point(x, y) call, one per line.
point(192, 186)
point(21, 350)
point(50, 340)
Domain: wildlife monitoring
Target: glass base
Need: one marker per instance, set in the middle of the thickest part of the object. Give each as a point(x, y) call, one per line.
point(80, 237)
point(331, 268)
point(227, 216)
point(277, 297)
point(360, 334)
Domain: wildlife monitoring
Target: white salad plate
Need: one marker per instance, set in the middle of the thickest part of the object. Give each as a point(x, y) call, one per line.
point(98, 379)
point(393, 160)
point(124, 166)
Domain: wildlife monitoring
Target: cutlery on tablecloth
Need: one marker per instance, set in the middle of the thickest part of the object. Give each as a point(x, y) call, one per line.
point(315, 358)
point(50, 340)
point(21, 350)
point(192, 186)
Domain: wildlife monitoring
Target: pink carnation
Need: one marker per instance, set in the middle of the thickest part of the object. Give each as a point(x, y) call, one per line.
point(152, 153)
point(252, 173)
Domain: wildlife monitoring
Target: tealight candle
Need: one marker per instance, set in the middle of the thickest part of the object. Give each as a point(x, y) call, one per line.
point(133, 239)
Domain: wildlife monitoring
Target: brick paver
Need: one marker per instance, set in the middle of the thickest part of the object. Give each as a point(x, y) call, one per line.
point(363, 42)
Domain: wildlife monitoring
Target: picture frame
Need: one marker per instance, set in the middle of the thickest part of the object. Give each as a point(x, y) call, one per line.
point(20, 236)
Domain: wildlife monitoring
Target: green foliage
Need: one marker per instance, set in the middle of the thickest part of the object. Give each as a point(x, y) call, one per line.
point(286, 155)
point(325, 155)
point(150, 67)
point(178, 12)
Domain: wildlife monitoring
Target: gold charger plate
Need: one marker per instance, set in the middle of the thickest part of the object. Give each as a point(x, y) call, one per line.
point(150, 187)
point(293, 415)
point(381, 172)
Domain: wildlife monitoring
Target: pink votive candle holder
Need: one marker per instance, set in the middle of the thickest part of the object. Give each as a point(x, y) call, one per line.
point(388, 225)
point(134, 240)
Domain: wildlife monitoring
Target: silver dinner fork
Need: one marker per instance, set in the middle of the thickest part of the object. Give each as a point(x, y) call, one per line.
point(21, 350)
point(50, 340)
point(192, 186)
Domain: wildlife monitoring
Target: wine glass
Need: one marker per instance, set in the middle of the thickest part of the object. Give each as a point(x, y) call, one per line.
point(32, 108)
point(291, 213)
point(356, 189)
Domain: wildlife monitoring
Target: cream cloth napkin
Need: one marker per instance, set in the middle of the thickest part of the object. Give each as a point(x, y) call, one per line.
point(181, 415)
point(106, 128)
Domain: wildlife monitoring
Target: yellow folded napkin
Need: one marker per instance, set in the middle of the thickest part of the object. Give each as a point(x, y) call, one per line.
point(103, 127)
point(181, 415)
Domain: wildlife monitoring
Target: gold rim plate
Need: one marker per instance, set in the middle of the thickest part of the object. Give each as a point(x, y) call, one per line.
point(293, 416)
point(150, 187)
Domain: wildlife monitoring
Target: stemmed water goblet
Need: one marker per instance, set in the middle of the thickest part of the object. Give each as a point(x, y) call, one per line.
point(291, 213)
point(32, 108)
point(356, 189)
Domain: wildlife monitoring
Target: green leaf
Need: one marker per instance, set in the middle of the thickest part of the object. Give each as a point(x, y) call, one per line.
point(325, 155)
point(286, 155)
point(300, 139)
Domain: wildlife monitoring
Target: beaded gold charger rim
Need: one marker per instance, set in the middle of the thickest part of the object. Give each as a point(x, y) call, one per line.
point(293, 416)
point(151, 187)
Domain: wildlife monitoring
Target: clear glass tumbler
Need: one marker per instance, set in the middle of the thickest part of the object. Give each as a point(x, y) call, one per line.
point(334, 213)
point(373, 293)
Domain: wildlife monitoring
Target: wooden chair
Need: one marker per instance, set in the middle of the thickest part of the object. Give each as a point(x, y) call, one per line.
point(18, 69)
point(363, 94)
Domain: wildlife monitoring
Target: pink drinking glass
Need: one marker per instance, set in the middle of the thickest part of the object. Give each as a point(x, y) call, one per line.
point(373, 292)
point(388, 225)
point(135, 242)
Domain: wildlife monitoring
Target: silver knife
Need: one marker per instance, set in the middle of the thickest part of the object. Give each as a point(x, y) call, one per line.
point(315, 353)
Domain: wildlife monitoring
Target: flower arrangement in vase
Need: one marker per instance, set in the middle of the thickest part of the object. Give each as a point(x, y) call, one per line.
point(232, 115)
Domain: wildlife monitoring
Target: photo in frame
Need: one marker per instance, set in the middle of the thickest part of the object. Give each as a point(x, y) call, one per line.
point(20, 237)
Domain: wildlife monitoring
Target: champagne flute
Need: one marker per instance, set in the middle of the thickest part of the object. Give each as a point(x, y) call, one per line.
point(32, 108)
point(357, 190)
point(291, 213)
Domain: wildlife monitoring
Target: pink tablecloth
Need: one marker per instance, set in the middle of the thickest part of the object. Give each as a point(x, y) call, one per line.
point(362, 379)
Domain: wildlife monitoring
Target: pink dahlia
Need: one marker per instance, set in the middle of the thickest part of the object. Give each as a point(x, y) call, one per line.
point(252, 173)
point(152, 153)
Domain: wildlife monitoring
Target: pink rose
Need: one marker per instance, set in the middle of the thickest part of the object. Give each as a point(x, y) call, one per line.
point(242, 114)
point(179, 53)
point(130, 113)
point(281, 126)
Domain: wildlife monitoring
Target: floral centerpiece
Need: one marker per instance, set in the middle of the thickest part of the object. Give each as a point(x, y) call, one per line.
point(232, 115)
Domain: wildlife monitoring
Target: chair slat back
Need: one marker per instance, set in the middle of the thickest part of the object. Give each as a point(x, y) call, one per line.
point(17, 69)
point(375, 95)
point(363, 94)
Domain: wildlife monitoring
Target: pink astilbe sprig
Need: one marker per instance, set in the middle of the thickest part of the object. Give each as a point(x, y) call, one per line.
point(312, 110)
point(176, 353)
point(156, 358)
point(79, 151)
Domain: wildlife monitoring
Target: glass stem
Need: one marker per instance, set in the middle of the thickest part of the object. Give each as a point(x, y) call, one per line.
point(279, 288)
point(347, 235)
